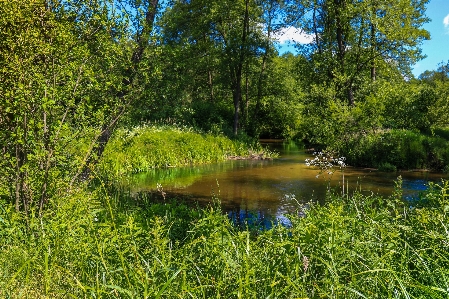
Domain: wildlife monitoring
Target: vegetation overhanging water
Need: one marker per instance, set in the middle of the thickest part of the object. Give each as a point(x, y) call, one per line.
point(92, 90)
point(263, 191)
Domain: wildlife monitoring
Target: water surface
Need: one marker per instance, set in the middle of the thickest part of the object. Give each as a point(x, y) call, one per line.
point(272, 188)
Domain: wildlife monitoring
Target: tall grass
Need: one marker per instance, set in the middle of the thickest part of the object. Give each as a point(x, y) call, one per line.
point(93, 245)
point(145, 148)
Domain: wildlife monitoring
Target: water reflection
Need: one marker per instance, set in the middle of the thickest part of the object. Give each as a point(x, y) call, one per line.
point(271, 189)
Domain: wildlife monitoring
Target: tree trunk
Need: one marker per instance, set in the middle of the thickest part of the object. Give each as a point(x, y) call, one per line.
point(351, 100)
point(340, 36)
point(46, 167)
point(19, 177)
point(237, 84)
point(246, 99)
point(144, 36)
point(237, 95)
point(262, 73)
point(340, 6)
point(211, 86)
point(107, 129)
point(21, 198)
point(373, 50)
point(315, 30)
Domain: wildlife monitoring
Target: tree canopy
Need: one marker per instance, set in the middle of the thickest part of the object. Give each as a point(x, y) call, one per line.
point(73, 71)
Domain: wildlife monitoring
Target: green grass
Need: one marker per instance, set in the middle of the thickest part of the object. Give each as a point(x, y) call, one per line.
point(403, 149)
point(102, 244)
point(144, 148)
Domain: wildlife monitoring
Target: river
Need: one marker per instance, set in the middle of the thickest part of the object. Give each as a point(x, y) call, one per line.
point(268, 189)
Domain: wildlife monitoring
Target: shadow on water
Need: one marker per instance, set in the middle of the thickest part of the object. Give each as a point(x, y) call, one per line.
point(262, 192)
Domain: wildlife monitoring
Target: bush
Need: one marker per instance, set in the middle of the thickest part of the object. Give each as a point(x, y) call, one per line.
point(446, 169)
point(387, 167)
point(403, 149)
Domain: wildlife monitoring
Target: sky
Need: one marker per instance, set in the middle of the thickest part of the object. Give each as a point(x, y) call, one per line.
point(436, 49)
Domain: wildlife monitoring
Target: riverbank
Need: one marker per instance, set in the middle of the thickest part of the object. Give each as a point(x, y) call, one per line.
point(393, 150)
point(103, 244)
point(144, 148)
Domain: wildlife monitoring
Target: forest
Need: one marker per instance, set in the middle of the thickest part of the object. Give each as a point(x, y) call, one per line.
point(94, 90)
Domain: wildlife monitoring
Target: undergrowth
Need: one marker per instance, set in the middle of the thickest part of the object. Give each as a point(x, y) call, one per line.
point(401, 149)
point(145, 148)
point(102, 244)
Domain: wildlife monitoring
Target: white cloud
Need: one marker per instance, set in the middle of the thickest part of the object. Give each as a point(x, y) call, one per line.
point(292, 34)
point(446, 21)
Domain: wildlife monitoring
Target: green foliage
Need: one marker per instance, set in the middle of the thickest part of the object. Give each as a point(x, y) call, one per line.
point(394, 123)
point(215, 118)
point(330, 121)
point(61, 72)
point(92, 244)
point(84, 249)
point(357, 244)
point(145, 148)
point(221, 40)
point(215, 68)
point(412, 107)
point(403, 149)
point(278, 111)
point(357, 41)
point(441, 132)
point(387, 167)
point(446, 169)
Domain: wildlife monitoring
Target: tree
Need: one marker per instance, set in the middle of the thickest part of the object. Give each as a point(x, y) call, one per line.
point(353, 38)
point(281, 100)
point(69, 70)
point(440, 74)
point(140, 18)
point(224, 32)
point(436, 83)
point(47, 83)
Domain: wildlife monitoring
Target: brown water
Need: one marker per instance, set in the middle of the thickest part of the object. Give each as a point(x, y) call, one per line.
point(272, 188)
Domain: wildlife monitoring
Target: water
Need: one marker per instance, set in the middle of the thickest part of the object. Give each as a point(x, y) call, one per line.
point(270, 189)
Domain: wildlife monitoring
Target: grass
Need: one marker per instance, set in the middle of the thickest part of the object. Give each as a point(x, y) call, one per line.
point(145, 148)
point(104, 244)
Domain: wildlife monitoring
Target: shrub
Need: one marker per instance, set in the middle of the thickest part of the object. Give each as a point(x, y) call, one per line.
point(403, 149)
point(387, 167)
point(446, 169)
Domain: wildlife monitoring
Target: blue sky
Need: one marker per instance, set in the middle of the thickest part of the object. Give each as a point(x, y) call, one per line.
point(436, 49)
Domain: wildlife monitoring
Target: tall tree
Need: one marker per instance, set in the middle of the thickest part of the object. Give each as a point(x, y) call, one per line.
point(138, 16)
point(273, 20)
point(69, 70)
point(440, 74)
point(353, 37)
point(49, 83)
point(228, 31)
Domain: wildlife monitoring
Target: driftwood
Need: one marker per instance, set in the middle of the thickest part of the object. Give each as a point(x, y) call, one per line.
point(250, 157)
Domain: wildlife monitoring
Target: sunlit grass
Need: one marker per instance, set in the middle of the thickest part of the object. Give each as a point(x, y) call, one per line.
point(102, 244)
point(144, 148)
